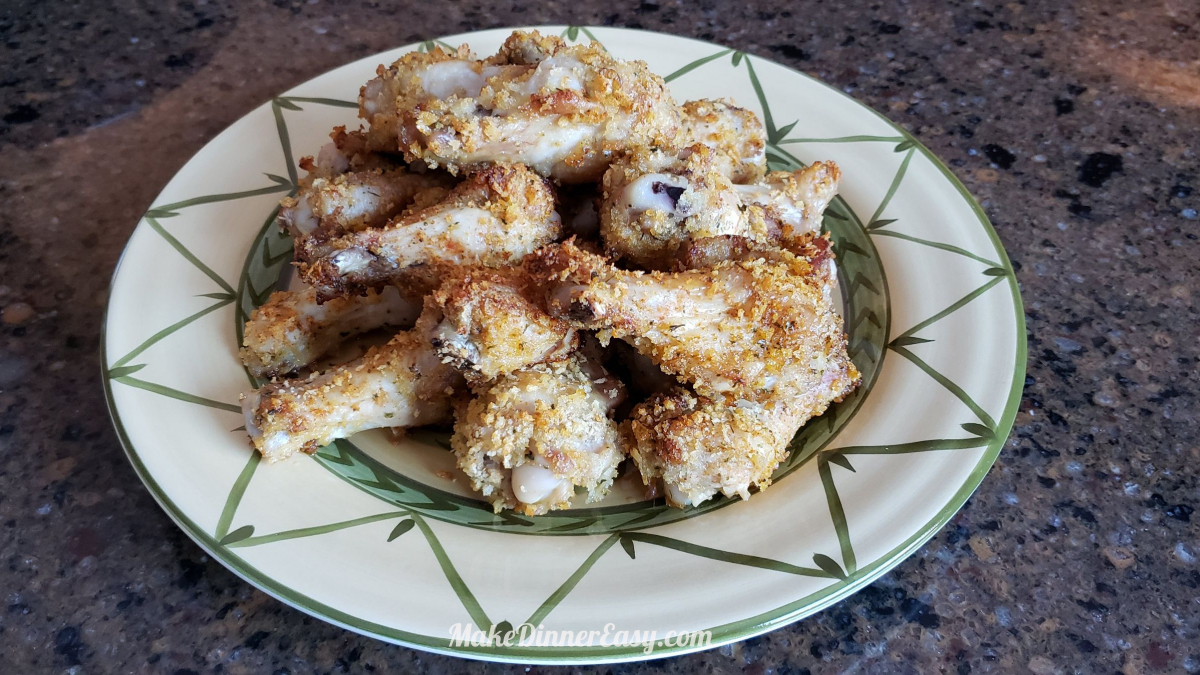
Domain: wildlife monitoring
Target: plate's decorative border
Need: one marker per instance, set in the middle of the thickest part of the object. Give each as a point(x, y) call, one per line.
point(986, 432)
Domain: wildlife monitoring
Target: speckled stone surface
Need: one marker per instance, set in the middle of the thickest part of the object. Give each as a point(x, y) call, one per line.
point(1076, 124)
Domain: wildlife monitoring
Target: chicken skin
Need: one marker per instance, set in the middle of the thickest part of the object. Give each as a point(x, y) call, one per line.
point(563, 110)
point(491, 322)
point(741, 328)
point(654, 202)
point(495, 217)
point(401, 384)
point(530, 438)
point(292, 329)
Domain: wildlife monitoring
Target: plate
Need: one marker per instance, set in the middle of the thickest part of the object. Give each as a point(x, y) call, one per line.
point(374, 535)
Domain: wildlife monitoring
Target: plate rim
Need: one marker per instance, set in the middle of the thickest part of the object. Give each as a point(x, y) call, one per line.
point(723, 634)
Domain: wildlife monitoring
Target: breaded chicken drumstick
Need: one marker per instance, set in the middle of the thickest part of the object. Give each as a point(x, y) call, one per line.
point(490, 322)
point(564, 110)
point(530, 438)
point(292, 329)
point(401, 384)
point(739, 328)
point(655, 202)
point(493, 218)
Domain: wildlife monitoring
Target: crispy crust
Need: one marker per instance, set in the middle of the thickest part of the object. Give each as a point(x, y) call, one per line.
point(815, 249)
point(795, 202)
point(401, 384)
point(733, 439)
point(707, 205)
point(699, 447)
point(291, 329)
point(738, 329)
point(601, 104)
point(734, 133)
point(554, 415)
point(346, 151)
point(649, 230)
point(494, 218)
point(493, 323)
point(350, 202)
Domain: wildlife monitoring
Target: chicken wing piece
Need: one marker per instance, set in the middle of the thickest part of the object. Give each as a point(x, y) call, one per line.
point(793, 204)
point(530, 438)
point(699, 446)
point(564, 110)
point(494, 218)
point(734, 133)
point(346, 151)
point(292, 329)
point(402, 384)
point(740, 329)
point(350, 202)
point(655, 202)
point(491, 322)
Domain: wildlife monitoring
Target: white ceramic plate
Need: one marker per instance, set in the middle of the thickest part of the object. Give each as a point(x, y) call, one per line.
point(369, 536)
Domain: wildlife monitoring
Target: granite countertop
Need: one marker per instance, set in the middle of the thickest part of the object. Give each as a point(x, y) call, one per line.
point(1075, 124)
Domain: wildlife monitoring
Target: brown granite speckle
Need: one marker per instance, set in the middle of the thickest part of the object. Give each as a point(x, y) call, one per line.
point(1075, 124)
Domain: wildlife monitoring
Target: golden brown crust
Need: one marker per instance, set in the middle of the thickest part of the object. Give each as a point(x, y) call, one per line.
point(565, 110)
point(814, 248)
point(292, 329)
point(698, 448)
point(493, 218)
point(734, 133)
point(493, 322)
point(350, 202)
point(795, 202)
point(740, 328)
point(553, 418)
point(655, 201)
point(398, 385)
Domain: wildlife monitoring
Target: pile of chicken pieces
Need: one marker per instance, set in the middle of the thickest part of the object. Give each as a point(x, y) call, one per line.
point(512, 216)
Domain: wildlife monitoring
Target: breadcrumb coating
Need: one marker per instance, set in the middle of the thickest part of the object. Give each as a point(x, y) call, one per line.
point(792, 204)
point(401, 384)
point(731, 441)
point(741, 328)
point(292, 329)
point(564, 110)
point(699, 447)
point(492, 322)
point(734, 133)
point(346, 152)
point(350, 202)
point(493, 218)
point(530, 438)
point(656, 201)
